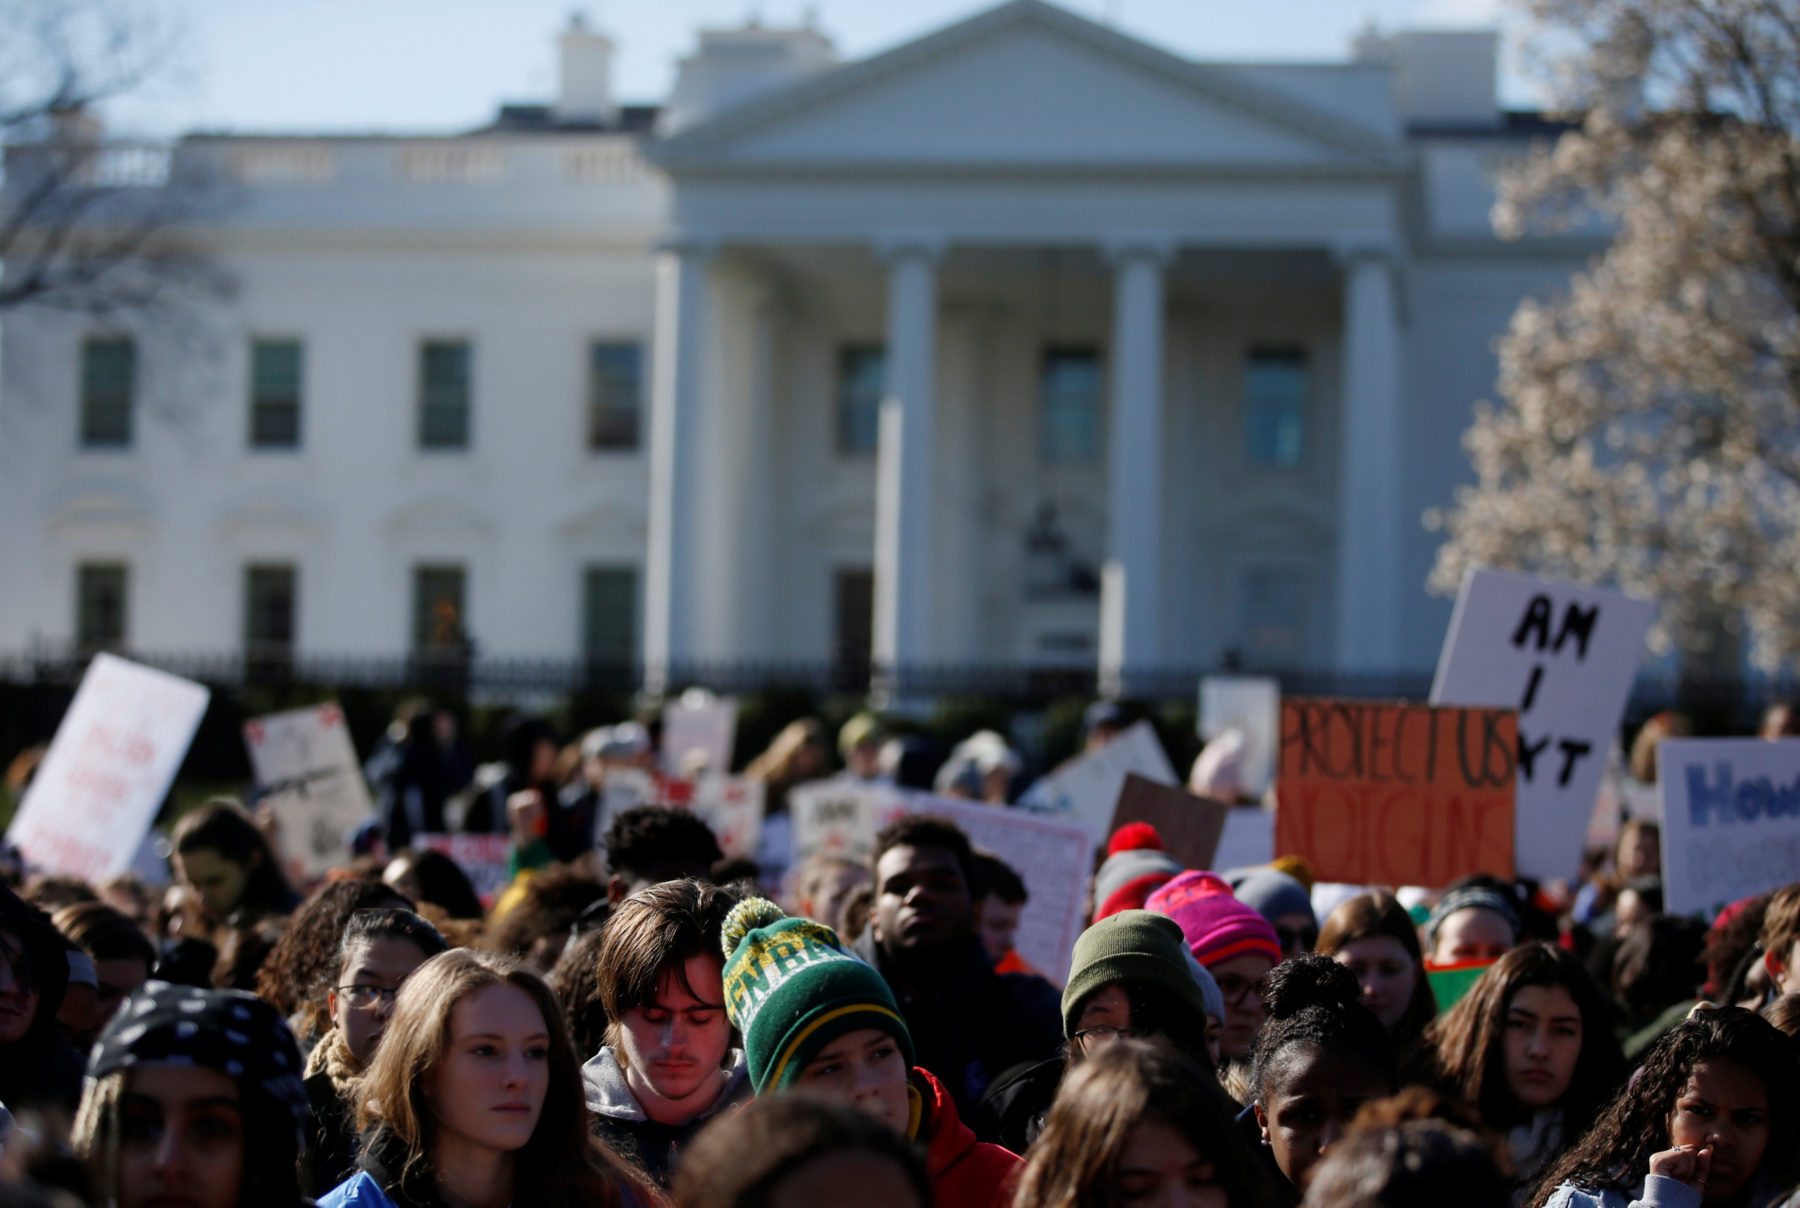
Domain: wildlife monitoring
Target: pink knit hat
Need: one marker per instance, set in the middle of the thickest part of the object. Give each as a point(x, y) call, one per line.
point(1217, 925)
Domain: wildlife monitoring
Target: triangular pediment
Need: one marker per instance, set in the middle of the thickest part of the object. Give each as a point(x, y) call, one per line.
point(1028, 85)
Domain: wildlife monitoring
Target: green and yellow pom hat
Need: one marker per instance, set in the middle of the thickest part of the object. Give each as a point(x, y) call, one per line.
point(791, 988)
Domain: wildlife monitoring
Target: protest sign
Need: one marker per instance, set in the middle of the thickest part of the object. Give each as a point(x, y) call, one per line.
point(1730, 819)
point(1248, 838)
point(1084, 791)
point(482, 857)
point(1387, 794)
point(1564, 657)
point(108, 769)
point(312, 782)
point(731, 805)
point(1190, 826)
point(1054, 858)
point(1252, 706)
point(839, 817)
point(699, 727)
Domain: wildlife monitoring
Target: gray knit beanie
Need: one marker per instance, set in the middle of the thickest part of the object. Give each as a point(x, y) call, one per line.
point(1271, 893)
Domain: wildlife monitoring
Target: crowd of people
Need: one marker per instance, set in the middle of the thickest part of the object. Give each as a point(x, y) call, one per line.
point(640, 1022)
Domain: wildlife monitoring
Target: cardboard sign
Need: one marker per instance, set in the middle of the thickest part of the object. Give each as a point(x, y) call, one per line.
point(699, 722)
point(1084, 791)
point(1190, 826)
point(108, 769)
point(1564, 657)
point(1730, 819)
point(1053, 858)
point(481, 857)
point(312, 782)
point(731, 805)
point(1385, 794)
point(1252, 706)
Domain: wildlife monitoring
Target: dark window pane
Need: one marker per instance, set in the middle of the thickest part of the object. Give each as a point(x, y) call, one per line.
point(275, 369)
point(1071, 389)
point(855, 608)
point(615, 395)
point(609, 611)
point(108, 381)
point(438, 619)
point(269, 601)
point(100, 603)
point(862, 378)
point(444, 394)
point(1276, 385)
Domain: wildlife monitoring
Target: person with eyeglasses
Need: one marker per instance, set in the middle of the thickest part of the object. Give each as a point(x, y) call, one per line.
point(1130, 975)
point(1237, 945)
point(378, 951)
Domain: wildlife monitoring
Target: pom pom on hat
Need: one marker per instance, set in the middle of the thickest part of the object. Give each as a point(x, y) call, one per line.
point(1134, 836)
point(746, 917)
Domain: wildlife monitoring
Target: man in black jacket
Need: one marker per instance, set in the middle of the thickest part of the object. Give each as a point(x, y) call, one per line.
point(969, 1024)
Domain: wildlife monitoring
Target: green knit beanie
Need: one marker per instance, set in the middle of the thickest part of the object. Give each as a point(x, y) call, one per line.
point(1131, 946)
point(791, 989)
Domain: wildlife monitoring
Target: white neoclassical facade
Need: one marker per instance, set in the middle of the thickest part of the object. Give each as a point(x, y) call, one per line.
point(1023, 343)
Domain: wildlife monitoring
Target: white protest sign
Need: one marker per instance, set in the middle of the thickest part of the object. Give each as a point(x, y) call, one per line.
point(1252, 706)
point(1053, 857)
point(1565, 657)
point(699, 721)
point(1248, 838)
point(1085, 790)
point(312, 781)
point(839, 817)
point(108, 769)
point(1730, 819)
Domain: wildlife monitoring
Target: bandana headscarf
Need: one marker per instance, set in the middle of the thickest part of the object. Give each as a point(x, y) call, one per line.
point(235, 1033)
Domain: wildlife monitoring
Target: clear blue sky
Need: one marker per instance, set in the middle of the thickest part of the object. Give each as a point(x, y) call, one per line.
point(440, 65)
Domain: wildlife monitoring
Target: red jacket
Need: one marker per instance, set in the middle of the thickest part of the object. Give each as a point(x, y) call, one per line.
point(964, 1172)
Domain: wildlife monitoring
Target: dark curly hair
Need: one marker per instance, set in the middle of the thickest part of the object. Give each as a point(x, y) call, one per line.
point(646, 839)
point(1469, 1039)
point(538, 928)
point(1313, 1000)
point(1616, 1151)
point(576, 983)
point(293, 977)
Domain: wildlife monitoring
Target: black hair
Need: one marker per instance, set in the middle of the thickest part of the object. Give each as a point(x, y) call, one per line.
point(1417, 1164)
point(646, 838)
point(388, 924)
point(1313, 1000)
point(924, 830)
point(442, 883)
point(223, 826)
point(996, 877)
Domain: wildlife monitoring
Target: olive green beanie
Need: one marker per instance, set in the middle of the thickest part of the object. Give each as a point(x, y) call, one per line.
point(791, 989)
point(1131, 946)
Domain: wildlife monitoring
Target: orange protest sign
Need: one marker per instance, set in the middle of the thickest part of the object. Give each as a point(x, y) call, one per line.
point(1388, 794)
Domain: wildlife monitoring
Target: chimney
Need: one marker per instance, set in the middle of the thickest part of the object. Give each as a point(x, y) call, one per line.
point(584, 85)
point(733, 65)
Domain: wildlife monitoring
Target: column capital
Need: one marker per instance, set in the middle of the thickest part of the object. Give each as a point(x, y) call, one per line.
point(1121, 248)
point(892, 246)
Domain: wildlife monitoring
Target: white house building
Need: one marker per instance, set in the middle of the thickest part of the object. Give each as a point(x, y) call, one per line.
point(1023, 343)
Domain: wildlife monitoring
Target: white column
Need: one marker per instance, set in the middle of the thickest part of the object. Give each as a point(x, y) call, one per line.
point(1131, 580)
point(903, 466)
point(1368, 570)
point(677, 358)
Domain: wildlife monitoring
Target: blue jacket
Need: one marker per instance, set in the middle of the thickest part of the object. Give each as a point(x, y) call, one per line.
point(1658, 1191)
point(357, 1191)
